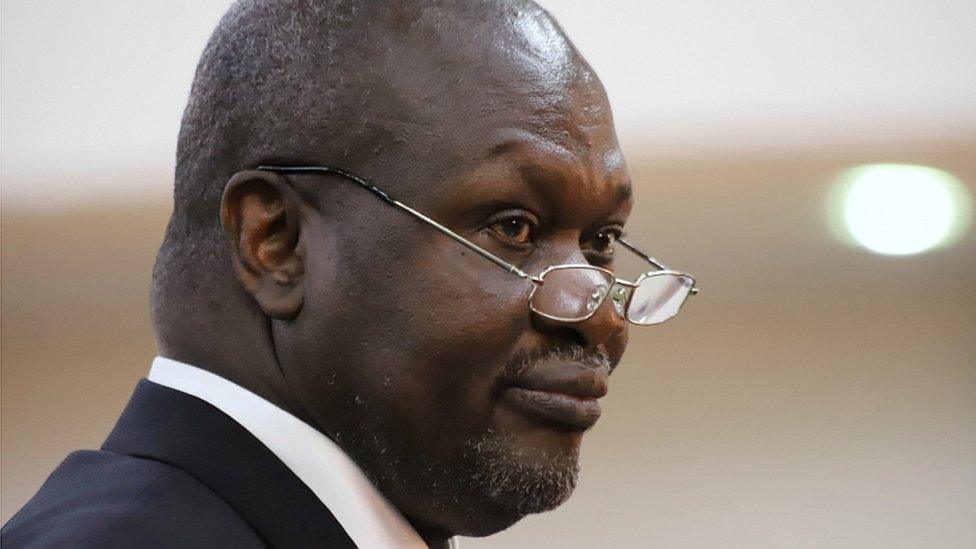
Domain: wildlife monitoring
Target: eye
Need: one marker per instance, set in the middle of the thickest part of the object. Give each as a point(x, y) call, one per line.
point(605, 239)
point(515, 228)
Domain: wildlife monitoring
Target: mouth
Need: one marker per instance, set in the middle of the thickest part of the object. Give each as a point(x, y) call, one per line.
point(571, 413)
point(563, 395)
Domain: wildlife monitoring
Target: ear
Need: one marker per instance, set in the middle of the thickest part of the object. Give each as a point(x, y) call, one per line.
point(261, 215)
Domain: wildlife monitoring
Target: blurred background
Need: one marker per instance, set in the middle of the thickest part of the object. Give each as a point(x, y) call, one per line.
point(820, 392)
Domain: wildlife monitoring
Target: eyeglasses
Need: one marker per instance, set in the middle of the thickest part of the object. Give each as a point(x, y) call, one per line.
point(565, 293)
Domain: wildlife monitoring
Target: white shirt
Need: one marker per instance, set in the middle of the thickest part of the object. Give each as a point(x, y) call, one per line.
point(364, 513)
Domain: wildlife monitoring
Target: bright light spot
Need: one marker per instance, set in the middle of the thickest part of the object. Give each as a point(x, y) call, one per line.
point(897, 209)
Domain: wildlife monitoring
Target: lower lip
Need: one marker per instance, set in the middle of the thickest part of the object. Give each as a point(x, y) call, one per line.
point(574, 413)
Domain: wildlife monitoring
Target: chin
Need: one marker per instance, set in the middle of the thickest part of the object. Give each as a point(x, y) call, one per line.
point(512, 480)
point(481, 485)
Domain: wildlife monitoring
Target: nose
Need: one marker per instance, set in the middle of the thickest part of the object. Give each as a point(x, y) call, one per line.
point(603, 329)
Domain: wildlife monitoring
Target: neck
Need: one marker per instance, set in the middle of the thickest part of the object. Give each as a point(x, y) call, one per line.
point(241, 351)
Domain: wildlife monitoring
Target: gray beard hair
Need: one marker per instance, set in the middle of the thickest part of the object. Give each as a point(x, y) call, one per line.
point(519, 487)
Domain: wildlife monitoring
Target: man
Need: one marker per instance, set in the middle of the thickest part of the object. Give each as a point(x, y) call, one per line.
point(381, 362)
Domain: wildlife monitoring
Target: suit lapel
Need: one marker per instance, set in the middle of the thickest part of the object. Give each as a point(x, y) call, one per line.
point(170, 426)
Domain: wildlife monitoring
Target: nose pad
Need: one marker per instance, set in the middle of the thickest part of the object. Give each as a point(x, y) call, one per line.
point(596, 297)
point(618, 295)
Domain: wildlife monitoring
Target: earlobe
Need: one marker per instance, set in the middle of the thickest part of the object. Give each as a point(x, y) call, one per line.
point(261, 216)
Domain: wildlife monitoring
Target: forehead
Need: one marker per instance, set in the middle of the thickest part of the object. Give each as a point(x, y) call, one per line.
point(562, 136)
point(457, 91)
point(564, 154)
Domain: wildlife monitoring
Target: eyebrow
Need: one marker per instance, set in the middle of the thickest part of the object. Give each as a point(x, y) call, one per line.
point(523, 141)
point(505, 147)
point(624, 192)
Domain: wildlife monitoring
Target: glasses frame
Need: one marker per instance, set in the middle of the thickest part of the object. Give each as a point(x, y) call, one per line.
point(536, 280)
point(622, 308)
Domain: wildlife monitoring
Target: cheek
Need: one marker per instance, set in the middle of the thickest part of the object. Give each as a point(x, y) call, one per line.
point(421, 341)
point(444, 347)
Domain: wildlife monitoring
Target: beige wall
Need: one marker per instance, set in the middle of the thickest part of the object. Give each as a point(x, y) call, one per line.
point(812, 396)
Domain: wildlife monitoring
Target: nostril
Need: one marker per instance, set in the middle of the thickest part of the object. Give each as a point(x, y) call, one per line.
point(576, 337)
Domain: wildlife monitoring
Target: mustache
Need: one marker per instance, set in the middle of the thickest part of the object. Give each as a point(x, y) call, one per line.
point(526, 360)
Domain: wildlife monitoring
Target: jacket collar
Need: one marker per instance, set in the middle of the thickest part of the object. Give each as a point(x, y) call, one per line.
point(170, 426)
point(365, 514)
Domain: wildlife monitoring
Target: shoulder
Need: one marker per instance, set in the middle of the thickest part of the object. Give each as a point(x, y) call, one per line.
point(103, 499)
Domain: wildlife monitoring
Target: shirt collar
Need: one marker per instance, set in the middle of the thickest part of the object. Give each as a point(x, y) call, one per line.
point(365, 514)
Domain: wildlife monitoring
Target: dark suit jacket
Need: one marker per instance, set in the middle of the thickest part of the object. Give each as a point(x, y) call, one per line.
point(175, 472)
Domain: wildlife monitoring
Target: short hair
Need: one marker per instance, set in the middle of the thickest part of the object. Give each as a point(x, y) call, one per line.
point(271, 74)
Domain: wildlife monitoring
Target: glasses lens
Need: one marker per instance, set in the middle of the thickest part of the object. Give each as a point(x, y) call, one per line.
point(571, 294)
point(658, 297)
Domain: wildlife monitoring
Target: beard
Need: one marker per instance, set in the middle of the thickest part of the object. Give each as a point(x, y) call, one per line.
point(493, 484)
point(518, 485)
point(490, 482)
point(517, 479)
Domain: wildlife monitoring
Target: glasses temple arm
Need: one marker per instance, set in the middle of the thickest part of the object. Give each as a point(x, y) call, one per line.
point(397, 204)
point(641, 254)
point(468, 244)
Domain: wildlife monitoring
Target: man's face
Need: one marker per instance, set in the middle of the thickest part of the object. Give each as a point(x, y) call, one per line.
point(423, 359)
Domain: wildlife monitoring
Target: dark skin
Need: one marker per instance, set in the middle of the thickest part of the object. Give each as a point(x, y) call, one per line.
point(386, 335)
